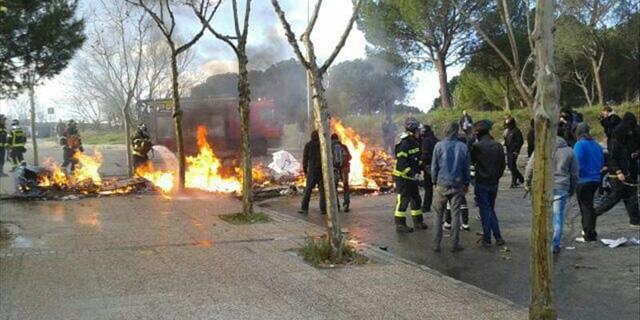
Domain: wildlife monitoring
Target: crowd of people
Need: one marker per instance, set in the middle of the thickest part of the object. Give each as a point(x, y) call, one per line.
point(443, 168)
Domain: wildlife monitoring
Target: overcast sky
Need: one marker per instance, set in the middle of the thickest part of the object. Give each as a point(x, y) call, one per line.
point(267, 45)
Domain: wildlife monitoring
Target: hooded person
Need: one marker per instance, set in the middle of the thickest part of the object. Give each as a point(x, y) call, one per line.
point(623, 166)
point(513, 142)
point(565, 180)
point(405, 175)
point(450, 171)
point(312, 168)
point(488, 158)
point(428, 143)
point(590, 158)
point(3, 143)
point(341, 165)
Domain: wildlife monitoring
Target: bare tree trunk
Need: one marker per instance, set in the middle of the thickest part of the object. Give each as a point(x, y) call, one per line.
point(127, 138)
point(244, 110)
point(177, 115)
point(442, 77)
point(320, 113)
point(34, 139)
point(545, 112)
point(596, 65)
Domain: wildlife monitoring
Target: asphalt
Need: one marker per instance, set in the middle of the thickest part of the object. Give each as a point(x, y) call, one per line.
point(591, 281)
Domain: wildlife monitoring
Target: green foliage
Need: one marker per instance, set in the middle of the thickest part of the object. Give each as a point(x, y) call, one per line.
point(38, 38)
point(102, 137)
point(317, 252)
point(241, 218)
point(480, 91)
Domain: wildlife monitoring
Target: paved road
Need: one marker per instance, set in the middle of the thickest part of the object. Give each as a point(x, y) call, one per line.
point(592, 281)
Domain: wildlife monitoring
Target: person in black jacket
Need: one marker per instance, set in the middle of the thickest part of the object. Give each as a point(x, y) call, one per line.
point(406, 175)
point(624, 158)
point(531, 138)
point(513, 142)
point(341, 167)
point(609, 121)
point(3, 144)
point(487, 156)
point(312, 167)
point(429, 141)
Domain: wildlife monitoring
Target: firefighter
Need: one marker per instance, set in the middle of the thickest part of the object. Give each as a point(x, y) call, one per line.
point(17, 140)
point(341, 164)
point(3, 144)
point(71, 143)
point(406, 174)
point(141, 145)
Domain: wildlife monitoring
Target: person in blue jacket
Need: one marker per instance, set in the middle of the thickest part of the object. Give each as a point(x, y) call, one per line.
point(590, 157)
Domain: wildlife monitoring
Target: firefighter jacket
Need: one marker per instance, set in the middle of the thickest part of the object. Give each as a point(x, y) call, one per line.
point(407, 158)
point(141, 144)
point(71, 139)
point(17, 138)
point(3, 138)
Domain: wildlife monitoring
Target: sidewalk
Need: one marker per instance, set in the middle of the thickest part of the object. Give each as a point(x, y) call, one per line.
point(145, 257)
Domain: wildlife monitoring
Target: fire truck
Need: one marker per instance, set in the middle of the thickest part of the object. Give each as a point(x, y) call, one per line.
point(221, 117)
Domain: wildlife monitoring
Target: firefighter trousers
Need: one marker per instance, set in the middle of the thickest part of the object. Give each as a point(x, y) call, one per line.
point(408, 195)
point(139, 160)
point(16, 155)
point(68, 159)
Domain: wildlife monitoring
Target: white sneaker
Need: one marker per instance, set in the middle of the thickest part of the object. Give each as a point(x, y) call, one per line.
point(581, 240)
point(446, 226)
point(465, 227)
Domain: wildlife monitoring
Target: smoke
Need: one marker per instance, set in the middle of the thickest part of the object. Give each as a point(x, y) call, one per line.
point(273, 49)
point(214, 67)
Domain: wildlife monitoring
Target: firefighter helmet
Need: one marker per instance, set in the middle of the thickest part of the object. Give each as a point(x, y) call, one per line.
point(411, 124)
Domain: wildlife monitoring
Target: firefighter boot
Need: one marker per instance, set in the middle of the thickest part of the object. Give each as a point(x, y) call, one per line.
point(401, 225)
point(418, 222)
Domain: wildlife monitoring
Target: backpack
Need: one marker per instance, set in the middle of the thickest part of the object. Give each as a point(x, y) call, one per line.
point(338, 155)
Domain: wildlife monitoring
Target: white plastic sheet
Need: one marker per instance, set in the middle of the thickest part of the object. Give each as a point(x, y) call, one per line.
point(284, 163)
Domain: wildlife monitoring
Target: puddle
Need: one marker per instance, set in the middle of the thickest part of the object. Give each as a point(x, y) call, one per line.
point(20, 241)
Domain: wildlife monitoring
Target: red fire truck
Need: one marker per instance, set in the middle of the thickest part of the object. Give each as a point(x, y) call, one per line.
point(220, 116)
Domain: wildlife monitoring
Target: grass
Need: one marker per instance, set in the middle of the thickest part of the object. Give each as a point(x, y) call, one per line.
point(240, 218)
point(370, 126)
point(5, 235)
point(102, 137)
point(317, 252)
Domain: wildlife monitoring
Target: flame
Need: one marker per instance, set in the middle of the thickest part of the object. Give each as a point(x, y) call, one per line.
point(204, 171)
point(357, 147)
point(164, 180)
point(88, 168)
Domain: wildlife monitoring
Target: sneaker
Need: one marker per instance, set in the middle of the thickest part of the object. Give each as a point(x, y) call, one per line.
point(465, 227)
point(477, 217)
point(457, 249)
point(446, 226)
point(303, 211)
point(436, 249)
point(483, 244)
point(500, 242)
point(556, 250)
point(581, 240)
point(346, 208)
point(634, 225)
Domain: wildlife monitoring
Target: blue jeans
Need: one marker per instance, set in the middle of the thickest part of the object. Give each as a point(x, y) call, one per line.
point(486, 198)
point(560, 199)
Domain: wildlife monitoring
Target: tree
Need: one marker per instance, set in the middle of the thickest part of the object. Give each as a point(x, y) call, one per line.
point(545, 112)
point(506, 10)
point(320, 110)
point(43, 35)
point(165, 19)
point(425, 32)
point(238, 44)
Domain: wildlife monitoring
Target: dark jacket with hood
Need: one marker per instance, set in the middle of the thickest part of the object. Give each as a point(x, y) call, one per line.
point(487, 156)
point(625, 147)
point(609, 123)
point(429, 141)
point(450, 166)
point(311, 154)
point(513, 140)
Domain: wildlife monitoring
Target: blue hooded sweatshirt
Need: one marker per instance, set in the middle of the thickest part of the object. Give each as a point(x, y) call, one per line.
point(589, 155)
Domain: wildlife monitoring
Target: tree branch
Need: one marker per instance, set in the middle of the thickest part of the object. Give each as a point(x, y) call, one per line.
point(290, 35)
point(343, 39)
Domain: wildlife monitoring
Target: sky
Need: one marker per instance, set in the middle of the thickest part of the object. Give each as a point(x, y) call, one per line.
point(267, 45)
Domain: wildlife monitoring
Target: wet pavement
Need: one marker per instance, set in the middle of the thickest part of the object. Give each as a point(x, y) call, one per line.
point(591, 281)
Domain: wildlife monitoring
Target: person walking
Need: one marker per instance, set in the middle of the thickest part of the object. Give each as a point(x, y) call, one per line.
point(429, 141)
point(465, 123)
point(406, 174)
point(312, 168)
point(590, 158)
point(565, 178)
point(71, 143)
point(623, 166)
point(341, 164)
point(17, 140)
point(451, 175)
point(3, 144)
point(513, 142)
point(488, 158)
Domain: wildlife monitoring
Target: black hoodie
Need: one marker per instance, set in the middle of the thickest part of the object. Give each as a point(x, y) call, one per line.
point(625, 143)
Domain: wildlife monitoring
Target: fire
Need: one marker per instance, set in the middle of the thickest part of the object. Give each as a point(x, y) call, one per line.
point(164, 180)
point(357, 148)
point(204, 171)
point(86, 172)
